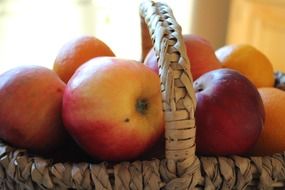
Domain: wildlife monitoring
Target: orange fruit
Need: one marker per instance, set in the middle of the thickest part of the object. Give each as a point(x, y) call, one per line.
point(271, 139)
point(76, 52)
point(249, 61)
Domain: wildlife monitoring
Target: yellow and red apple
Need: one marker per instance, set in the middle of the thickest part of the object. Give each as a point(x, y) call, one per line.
point(30, 109)
point(113, 109)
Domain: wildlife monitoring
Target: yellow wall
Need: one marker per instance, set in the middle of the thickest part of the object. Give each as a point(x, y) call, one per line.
point(210, 19)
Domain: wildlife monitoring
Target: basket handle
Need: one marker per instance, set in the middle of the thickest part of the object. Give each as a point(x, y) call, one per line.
point(178, 95)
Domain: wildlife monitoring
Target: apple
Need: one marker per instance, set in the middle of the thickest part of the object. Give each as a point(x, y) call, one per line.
point(200, 53)
point(30, 109)
point(229, 113)
point(151, 61)
point(113, 108)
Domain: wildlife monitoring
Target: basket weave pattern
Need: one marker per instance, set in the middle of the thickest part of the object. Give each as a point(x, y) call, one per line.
point(181, 168)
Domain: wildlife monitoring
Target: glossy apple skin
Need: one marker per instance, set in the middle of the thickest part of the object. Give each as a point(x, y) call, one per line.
point(200, 53)
point(151, 61)
point(229, 113)
point(99, 108)
point(30, 109)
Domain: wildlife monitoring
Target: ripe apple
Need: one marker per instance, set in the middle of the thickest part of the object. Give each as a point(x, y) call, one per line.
point(151, 61)
point(200, 52)
point(113, 108)
point(30, 109)
point(229, 113)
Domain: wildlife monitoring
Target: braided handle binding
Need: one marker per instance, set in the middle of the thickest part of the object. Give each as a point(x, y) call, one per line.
point(176, 83)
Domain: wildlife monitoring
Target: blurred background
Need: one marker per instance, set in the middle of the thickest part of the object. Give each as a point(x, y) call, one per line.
point(33, 31)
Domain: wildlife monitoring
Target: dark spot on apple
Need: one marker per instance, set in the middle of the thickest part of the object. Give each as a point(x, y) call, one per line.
point(59, 90)
point(198, 87)
point(127, 120)
point(142, 106)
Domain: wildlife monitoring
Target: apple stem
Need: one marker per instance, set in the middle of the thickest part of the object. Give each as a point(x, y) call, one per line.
point(142, 106)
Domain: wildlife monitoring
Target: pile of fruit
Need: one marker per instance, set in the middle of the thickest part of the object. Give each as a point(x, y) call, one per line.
point(239, 109)
point(111, 108)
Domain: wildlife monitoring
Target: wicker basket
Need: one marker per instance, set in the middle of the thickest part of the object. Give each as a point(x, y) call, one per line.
point(181, 168)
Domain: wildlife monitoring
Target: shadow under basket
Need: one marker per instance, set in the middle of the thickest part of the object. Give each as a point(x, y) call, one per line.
point(180, 168)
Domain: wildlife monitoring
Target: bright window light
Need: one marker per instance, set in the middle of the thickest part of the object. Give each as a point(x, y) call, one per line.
point(33, 31)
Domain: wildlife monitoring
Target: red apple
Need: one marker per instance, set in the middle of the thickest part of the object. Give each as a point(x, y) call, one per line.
point(113, 108)
point(151, 61)
point(200, 52)
point(229, 113)
point(30, 109)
